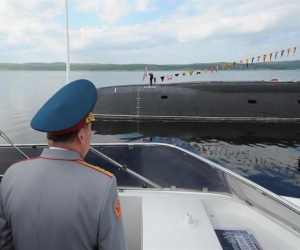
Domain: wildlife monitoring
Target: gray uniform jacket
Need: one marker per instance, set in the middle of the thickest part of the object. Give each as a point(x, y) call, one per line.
point(59, 202)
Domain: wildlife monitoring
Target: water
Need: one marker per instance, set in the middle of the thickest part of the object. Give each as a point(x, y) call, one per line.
point(265, 153)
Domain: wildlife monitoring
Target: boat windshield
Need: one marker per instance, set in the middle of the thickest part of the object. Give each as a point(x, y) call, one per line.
point(165, 165)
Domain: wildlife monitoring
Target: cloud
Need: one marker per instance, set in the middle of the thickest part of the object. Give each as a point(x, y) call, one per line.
point(222, 21)
point(30, 28)
point(173, 31)
point(143, 5)
point(111, 11)
point(192, 23)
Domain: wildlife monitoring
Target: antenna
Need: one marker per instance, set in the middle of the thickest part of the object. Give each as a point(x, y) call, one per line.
point(67, 42)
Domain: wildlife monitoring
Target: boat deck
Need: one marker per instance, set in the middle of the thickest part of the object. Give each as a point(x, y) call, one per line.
point(158, 220)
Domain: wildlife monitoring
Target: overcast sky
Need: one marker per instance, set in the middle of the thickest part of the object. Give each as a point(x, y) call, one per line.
point(148, 31)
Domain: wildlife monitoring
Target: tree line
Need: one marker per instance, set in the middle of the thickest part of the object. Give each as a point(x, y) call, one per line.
point(60, 66)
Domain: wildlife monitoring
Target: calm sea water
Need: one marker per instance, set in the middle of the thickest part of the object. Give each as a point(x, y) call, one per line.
point(268, 154)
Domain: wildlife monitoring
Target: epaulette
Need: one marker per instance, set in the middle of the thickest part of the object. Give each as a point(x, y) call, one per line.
point(109, 174)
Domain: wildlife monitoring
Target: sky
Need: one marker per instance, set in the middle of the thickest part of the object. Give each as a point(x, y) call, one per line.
point(148, 31)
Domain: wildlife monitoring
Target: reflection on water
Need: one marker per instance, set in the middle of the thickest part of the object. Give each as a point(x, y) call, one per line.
point(268, 154)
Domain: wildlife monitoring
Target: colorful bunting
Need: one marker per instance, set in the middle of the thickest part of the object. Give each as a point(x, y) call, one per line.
point(229, 65)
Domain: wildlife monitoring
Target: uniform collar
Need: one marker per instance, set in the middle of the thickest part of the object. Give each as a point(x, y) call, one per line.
point(60, 154)
point(57, 148)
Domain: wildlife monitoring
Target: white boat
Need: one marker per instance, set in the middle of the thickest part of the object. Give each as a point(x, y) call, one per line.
point(174, 199)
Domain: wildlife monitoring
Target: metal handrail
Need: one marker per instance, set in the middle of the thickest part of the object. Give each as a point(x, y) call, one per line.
point(125, 168)
point(5, 137)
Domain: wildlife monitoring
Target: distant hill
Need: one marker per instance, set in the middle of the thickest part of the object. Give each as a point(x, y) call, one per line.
point(59, 66)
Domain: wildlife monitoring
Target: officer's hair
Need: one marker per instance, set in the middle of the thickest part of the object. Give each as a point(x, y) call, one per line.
point(69, 137)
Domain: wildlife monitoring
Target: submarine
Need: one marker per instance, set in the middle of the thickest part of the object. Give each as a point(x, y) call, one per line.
point(261, 101)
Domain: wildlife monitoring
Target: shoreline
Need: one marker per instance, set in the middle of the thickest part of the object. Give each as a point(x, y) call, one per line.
point(60, 66)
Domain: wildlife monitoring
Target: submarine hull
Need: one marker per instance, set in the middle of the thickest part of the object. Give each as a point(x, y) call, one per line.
point(207, 101)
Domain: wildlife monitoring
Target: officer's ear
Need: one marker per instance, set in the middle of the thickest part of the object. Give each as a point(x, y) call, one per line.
point(80, 135)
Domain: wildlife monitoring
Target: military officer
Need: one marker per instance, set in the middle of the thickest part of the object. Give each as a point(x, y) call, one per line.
point(58, 201)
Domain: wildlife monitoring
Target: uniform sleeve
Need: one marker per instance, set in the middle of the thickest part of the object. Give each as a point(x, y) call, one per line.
point(111, 231)
point(6, 238)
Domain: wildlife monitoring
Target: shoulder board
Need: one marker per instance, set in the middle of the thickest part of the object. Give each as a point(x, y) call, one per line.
point(103, 171)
